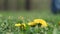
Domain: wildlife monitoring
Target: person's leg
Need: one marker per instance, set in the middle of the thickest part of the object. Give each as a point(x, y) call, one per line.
point(59, 11)
point(54, 10)
point(53, 7)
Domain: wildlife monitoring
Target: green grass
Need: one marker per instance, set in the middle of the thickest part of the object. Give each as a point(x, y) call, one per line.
point(52, 19)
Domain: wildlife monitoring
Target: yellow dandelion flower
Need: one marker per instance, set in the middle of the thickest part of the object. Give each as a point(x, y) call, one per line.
point(37, 21)
point(23, 24)
point(31, 24)
point(18, 25)
point(41, 21)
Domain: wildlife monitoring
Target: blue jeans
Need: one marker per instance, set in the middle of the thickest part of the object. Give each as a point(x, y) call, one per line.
point(53, 7)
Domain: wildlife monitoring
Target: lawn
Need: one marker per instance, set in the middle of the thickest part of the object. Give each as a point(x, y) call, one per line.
point(8, 19)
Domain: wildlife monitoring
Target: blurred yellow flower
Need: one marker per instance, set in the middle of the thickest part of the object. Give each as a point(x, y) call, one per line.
point(23, 24)
point(31, 24)
point(37, 20)
point(18, 25)
point(41, 21)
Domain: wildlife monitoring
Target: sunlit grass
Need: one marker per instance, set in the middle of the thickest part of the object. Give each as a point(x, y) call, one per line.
point(7, 25)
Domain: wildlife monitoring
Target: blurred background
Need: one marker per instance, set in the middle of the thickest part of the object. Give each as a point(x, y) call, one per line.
point(21, 7)
point(12, 11)
point(25, 4)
